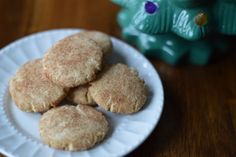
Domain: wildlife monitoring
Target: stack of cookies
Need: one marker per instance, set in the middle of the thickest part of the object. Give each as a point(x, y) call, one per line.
point(76, 69)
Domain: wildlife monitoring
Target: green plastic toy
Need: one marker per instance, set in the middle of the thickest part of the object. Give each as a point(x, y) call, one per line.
point(174, 30)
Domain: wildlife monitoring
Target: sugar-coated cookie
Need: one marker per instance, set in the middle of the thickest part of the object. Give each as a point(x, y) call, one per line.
point(73, 61)
point(119, 89)
point(73, 128)
point(102, 39)
point(32, 91)
point(80, 95)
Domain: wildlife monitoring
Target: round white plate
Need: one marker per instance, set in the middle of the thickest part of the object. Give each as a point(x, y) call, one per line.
point(19, 134)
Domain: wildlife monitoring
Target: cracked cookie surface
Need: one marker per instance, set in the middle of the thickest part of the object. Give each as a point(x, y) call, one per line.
point(119, 89)
point(102, 39)
point(32, 91)
point(73, 128)
point(73, 61)
point(80, 95)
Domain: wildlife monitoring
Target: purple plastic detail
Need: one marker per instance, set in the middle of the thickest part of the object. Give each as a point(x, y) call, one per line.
point(151, 7)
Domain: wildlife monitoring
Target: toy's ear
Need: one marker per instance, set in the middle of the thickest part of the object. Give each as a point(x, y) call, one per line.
point(225, 17)
point(122, 3)
point(125, 3)
point(231, 1)
point(189, 3)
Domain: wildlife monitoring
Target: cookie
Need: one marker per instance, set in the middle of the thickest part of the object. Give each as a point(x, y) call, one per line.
point(73, 61)
point(102, 39)
point(80, 95)
point(73, 128)
point(32, 91)
point(119, 89)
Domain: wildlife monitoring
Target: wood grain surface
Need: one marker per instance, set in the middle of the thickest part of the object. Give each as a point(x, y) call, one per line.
point(199, 118)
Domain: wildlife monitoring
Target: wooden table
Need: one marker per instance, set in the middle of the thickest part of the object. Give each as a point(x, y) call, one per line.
point(199, 117)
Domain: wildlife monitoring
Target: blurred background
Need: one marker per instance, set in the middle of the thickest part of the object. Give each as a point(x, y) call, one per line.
point(22, 17)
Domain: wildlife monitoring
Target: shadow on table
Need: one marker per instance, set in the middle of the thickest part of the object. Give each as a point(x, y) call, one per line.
point(166, 131)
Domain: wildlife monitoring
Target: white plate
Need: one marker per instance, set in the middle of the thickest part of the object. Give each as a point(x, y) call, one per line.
point(19, 135)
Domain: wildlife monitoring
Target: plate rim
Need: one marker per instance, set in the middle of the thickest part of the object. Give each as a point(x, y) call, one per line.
point(4, 49)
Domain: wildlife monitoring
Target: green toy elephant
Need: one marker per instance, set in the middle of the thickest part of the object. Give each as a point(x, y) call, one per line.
point(174, 30)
